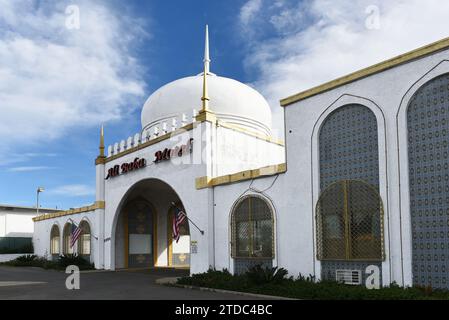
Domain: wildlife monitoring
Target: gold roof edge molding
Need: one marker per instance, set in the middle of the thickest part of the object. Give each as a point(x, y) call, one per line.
point(96, 205)
point(206, 182)
point(377, 68)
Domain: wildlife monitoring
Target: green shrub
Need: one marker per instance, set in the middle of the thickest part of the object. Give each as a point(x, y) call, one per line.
point(73, 259)
point(28, 258)
point(258, 275)
point(215, 279)
point(41, 262)
point(268, 282)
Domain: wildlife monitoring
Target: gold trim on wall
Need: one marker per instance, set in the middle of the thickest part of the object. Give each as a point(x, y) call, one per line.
point(100, 160)
point(91, 208)
point(126, 239)
point(169, 237)
point(155, 219)
point(206, 115)
point(207, 182)
point(377, 68)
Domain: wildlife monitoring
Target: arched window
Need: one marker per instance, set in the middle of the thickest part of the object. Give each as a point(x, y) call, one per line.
point(66, 239)
point(54, 240)
point(349, 220)
point(428, 160)
point(84, 243)
point(349, 210)
point(252, 233)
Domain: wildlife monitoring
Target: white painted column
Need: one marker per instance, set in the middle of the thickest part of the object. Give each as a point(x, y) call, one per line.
point(99, 215)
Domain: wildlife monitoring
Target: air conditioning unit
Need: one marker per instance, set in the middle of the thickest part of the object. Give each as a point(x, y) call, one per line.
point(351, 277)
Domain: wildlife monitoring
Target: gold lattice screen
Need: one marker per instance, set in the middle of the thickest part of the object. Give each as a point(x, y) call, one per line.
point(349, 217)
point(252, 229)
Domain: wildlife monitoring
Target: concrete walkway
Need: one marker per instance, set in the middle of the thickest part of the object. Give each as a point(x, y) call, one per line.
point(128, 284)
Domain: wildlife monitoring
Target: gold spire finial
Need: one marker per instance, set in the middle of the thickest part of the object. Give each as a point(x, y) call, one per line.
point(102, 141)
point(205, 98)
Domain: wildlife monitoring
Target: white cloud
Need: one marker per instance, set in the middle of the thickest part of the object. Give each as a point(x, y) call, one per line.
point(249, 11)
point(53, 79)
point(16, 158)
point(73, 190)
point(28, 168)
point(307, 43)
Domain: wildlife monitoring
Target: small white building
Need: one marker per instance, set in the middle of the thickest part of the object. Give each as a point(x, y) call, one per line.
point(16, 229)
point(16, 221)
point(363, 179)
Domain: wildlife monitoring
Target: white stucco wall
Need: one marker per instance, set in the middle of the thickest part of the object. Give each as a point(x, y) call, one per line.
point(293, 195)
point(41, 237)
point(293, 224)
point(236, 151)
point(181, 178)
point(387, 95)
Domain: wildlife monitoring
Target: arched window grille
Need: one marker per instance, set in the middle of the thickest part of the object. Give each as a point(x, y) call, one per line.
point(349, 218)
point(428, 165)
point(66, 239)
point(54, 240)
point(84, 241)
point(349, 152)
point(252, 229)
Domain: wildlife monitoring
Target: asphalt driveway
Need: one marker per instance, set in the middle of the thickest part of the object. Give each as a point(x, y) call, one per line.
point(39, 284)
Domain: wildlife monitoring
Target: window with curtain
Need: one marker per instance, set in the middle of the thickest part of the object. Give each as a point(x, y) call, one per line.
point(84, 244)
point(54, 240)
point(66, 239)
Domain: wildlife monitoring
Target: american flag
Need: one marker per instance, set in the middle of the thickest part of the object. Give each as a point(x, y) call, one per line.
point(178, 218)
point(76, 233)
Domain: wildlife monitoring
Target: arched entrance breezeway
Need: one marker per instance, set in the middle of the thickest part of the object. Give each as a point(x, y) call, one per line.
point(143, 232)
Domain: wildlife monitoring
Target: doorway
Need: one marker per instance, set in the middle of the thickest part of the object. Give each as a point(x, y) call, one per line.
point(178, 250)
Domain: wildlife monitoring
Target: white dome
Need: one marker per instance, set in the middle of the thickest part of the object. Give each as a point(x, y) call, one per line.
point(232, 102)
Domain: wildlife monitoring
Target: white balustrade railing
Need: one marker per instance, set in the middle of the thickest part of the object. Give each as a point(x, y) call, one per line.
point(151, 133)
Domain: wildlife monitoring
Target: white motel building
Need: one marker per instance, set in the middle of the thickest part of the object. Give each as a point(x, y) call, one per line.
point(361, 179)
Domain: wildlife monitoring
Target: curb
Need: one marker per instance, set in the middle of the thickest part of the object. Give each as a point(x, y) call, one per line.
point(247, 294)
point(95, 271)
point(167, 281)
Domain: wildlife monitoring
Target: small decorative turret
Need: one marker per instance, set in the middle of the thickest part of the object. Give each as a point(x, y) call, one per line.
point(102, 141)
point(205, 98)
point(205, 113)
point(101, 157)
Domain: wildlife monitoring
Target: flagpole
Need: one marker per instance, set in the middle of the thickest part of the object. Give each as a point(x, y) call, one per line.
point(73, 222)
point(202, 232)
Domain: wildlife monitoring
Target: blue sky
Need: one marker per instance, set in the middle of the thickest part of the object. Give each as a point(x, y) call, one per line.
point(58, 85)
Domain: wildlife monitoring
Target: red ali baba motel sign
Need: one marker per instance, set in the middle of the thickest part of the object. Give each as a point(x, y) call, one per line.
point(139, 163)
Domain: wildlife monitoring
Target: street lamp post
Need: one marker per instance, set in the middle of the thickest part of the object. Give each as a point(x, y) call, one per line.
point(39, 190)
